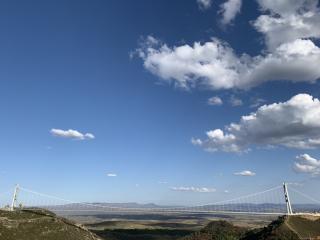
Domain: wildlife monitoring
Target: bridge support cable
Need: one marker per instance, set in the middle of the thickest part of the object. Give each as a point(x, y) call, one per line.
point(5, 199)
point(268, 202)
point(311, 207)
point(305, 195)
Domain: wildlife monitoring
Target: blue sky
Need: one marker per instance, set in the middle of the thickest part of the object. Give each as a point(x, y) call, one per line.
point(98, 67)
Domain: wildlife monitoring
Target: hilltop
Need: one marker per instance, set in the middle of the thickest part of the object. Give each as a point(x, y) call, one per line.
point(278, 229)
point(284, 228)
point(288, 227)
point(218, 230)
point(40, 225)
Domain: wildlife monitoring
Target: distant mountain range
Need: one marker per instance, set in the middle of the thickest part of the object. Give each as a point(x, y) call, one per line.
point(131, 207)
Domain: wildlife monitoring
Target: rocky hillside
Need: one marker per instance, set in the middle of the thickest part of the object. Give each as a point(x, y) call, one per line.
point(40, 225)
point(284, 228)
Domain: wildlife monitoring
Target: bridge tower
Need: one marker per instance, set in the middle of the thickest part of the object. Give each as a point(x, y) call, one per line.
point(15, 196)
point(287, 199)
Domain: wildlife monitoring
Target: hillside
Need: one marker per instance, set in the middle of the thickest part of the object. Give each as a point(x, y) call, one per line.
point(306, 226)
point(284, 228)
point(288, 227)
point(218, 230)
point(44, 225)
point(40, 225)
point(277, 230)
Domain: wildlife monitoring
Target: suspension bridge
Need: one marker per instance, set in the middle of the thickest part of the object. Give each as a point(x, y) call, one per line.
point(273, 201)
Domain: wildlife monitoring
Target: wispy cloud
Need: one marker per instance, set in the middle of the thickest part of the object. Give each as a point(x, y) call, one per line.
point(235, 102)
point(245, 173)
point(229, 10)
point(193, 189)
point(112, 175)
point(215, 101)
point(257, 102)
point(204, 4)
point(73, 134)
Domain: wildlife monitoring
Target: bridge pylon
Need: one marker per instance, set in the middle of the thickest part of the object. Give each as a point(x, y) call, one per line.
point(287, 199)
point(15, 197)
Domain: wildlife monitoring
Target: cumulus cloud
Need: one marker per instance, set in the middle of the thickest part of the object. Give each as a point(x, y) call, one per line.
point(215, 101)
point(214, 64)
point(288, 20)
point(245, 173)
point(73, 134)
point(112, 175)
point(229, 10)
point(204, 4)
point(307, 164)
point(294, 124)
point(289, 28)
point(193, 189)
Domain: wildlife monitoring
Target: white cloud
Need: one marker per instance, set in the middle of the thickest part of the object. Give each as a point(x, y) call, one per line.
point(289, 28)
point(112, 175)
point(307, 164)
point(214, 64)
point(256, 102)
point(235, 102)
point(215, 101)
point(193, 189)
point(245, 173)
point(204, 4)
point(288, 20)
point(196, 141)
point(89, 136)
point(229, 10)
point(74, 134)
point(294, 124)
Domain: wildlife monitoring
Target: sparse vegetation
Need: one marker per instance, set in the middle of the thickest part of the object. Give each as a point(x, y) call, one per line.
point(40, 225)
point(284, 228)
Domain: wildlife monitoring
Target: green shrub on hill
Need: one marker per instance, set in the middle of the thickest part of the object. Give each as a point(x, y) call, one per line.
point(218, 230)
